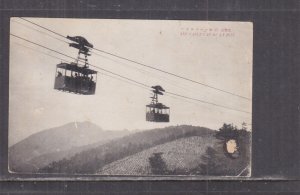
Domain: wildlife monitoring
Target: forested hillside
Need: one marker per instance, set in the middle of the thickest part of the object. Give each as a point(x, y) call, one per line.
point(92, 160)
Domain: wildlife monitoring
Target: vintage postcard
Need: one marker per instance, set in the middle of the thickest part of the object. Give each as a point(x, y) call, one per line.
point(130, 97)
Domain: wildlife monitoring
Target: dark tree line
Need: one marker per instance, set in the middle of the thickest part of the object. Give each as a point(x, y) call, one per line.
point(216, 162)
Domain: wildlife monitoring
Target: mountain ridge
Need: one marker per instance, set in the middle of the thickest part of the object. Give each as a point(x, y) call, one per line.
point(89, 161)
point(54, 140)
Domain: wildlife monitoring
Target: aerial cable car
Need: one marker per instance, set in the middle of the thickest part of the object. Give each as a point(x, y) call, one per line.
point(155, 111)
point(75, 77)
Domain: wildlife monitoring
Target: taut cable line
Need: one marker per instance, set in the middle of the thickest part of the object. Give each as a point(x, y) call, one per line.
point(148, 66)
point(132, 80)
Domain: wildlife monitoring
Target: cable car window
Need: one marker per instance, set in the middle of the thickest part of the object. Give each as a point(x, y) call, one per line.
point(68, 73)
point(59, 73)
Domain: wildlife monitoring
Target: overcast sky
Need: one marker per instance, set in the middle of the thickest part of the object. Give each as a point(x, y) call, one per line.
point(222, 62)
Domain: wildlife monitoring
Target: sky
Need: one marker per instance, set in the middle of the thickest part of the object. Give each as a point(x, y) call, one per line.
point(181, 47)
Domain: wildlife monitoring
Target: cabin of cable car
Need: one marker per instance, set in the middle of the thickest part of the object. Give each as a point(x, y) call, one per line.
point(73, 77)
point(155, 111)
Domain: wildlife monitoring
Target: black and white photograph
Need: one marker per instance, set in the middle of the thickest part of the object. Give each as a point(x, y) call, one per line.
point(121, 97)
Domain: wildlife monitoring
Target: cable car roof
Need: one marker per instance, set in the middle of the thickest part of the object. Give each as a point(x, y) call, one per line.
point(158, 88)
point(158, 105)
point(80, 40)
point(75, 68)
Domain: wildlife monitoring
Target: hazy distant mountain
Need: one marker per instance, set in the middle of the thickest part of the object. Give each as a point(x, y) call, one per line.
point(92, 160)
point(57, 143)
